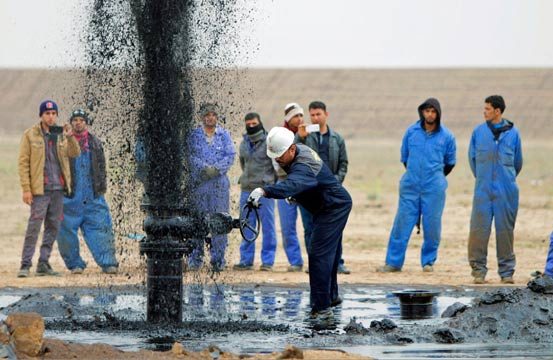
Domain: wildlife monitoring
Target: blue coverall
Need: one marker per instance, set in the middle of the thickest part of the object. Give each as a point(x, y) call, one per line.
point(211, 195)
point(422, 189)
point(549, 261)
point(269, 244)
point(311, 183)
point(495, 164)
point(90, 214)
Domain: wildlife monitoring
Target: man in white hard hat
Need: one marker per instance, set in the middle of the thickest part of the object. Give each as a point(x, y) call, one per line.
point(311, 183)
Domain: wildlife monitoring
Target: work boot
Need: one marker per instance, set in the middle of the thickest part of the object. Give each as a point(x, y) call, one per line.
point(428, 268)
point(266, 267)
point(242, 267)
point(322, 320)
point(77, 271)
point(342, 269)
point(336, 301)
point(479, 280)
point(44, 269)
point(387, 269)
point(295, 268)
point(111, 270)
point(24, 272)
point(507, 280)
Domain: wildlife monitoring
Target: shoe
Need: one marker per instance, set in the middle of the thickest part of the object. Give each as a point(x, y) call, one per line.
point(23, 273)
point(111, 270)
point(479, 280)
point(428, 268)
point(322, 320)
point(336, 302)
point(387, 269)
point(242, 267)
point(266, 267)
point(295, 268)
point(507, 280)
point(44, 269)
point(342, 269)
point(77, 271)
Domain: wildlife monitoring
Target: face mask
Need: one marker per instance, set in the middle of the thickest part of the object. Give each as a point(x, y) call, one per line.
point(254, 129)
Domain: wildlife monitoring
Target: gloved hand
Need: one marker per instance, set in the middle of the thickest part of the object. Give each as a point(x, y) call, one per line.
point(209, 172)
point(255, 196)
point(290, 201)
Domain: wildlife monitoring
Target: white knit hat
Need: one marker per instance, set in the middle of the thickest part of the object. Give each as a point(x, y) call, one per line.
point(292, 110)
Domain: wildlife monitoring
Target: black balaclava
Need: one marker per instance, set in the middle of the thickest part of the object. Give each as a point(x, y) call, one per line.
point(255, 133)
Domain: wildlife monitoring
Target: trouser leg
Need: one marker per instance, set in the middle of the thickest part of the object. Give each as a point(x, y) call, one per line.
point(505, 217)
point(54, 216)
point(405, 220)
point(480, 229)
point(432, 207)
point(39, 207)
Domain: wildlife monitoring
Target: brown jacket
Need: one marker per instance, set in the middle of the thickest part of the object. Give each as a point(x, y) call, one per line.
point(32, 155)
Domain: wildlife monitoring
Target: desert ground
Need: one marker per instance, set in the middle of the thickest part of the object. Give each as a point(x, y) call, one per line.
point(371, 108)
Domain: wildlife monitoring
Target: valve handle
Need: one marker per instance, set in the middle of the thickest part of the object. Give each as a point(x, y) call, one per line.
point(245, 213)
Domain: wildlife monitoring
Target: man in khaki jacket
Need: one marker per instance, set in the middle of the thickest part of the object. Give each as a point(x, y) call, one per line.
point(45, 175)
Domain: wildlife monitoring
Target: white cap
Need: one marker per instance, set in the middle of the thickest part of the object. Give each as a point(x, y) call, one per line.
point(291, 110)
point(278, 141)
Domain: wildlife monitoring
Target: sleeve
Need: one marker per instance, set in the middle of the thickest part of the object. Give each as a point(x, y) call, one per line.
point(342, 162)
point(405, 148)
point(73, 148)
point(102, 160)
point(299, 139)
point(24, 164)
point(197, 163)
point(518, 155)
point(472, 154)
point(225, 162)
point(297, 181)
point(451, 152)
point(241, 157)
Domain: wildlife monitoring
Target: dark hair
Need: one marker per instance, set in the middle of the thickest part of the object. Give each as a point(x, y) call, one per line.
point(497, 102)
point(317, 105)
point(251, 116)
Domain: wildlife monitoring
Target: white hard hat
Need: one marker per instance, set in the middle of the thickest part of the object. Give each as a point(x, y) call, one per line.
point(278, 141)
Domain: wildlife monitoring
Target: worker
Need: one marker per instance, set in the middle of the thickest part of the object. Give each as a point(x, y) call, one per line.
point(495, 157)
point(331, 148)
point(310, 183)
point(44, 175)
point(428, 153)
point(211, 156)
point(86, 208)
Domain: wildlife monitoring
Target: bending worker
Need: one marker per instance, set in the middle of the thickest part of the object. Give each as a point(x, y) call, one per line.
point(311, 183)
point(428, 154)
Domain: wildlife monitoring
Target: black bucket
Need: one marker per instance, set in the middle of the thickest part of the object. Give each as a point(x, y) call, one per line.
point(416, 304)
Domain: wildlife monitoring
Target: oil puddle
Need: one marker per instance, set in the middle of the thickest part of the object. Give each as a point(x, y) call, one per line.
point(268, 317)
point(249, 319)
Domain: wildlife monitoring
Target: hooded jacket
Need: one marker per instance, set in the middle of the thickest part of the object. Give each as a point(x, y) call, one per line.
point(427, 154)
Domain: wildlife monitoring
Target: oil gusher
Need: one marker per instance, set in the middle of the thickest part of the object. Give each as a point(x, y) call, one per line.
point(171, 223)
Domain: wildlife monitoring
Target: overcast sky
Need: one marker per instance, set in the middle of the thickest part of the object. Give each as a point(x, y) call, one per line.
point(324, 33)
